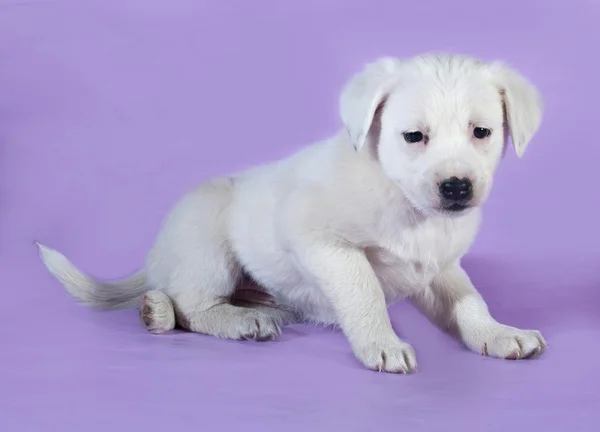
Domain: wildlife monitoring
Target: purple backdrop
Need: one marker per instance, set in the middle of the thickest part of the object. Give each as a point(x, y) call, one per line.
point(110, 110)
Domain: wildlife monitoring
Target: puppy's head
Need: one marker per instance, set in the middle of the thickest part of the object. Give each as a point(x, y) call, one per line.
point(439, 124)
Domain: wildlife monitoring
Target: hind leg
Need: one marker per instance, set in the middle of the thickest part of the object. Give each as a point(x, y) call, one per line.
point(194, 265)
point(232, 322)
point(158, 316)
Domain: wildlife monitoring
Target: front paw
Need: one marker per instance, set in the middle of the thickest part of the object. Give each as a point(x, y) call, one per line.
point(510, 343)
point(392, 355)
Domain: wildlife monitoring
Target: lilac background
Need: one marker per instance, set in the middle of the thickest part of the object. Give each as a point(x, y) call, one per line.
point(110, 110)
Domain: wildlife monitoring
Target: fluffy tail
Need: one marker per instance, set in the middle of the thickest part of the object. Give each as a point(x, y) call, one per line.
point(121, 294)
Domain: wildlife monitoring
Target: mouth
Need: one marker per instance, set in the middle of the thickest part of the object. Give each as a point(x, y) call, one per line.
point(455, 208)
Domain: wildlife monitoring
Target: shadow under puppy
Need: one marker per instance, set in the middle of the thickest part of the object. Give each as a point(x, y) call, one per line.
point(337, 232)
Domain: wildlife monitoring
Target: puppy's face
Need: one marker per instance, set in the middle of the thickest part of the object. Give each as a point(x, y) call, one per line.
point(442, 136)
point(438, 124)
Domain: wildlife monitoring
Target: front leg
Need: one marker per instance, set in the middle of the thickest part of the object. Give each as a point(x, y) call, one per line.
point(452, 302)
point(349, 282)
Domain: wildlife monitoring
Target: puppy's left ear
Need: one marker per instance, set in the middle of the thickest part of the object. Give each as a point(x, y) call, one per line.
point(523, 105)
point(363, 94)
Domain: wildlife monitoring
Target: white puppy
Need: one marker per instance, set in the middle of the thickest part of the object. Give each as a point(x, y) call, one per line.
point(337, 232)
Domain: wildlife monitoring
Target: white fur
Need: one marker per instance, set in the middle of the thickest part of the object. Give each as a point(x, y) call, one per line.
point(337, 232)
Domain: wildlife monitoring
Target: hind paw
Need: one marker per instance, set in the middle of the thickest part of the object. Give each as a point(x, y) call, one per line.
point(156, 312)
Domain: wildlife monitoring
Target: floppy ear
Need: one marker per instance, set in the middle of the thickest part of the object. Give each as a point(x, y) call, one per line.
point(363, 94)
point(522, 105)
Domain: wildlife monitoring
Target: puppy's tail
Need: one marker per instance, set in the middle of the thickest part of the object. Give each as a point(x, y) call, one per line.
point(120, 294)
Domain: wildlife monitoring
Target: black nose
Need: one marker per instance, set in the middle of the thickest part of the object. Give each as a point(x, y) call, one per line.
point(455, 189)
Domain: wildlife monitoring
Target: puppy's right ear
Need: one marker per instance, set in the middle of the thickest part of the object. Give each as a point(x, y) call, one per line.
point(363, 94)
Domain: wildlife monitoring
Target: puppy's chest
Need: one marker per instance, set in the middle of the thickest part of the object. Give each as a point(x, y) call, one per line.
point(407, 261)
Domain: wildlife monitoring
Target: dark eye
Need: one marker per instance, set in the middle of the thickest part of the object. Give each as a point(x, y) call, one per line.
point(481, 133)
point(413, 137)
